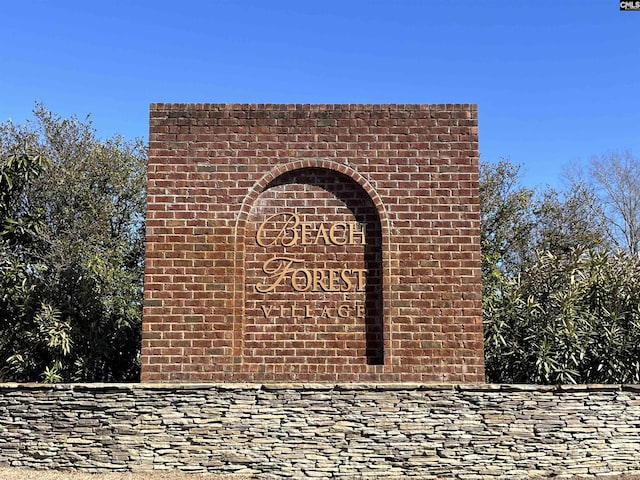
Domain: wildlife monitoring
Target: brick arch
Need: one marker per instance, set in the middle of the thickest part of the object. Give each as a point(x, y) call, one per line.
point(270, 179)
point(324, 164)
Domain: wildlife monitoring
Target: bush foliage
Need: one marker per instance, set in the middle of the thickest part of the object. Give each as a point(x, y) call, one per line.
point(561, 302)
point(571, 318)
point(71, 252)
point(561, 293)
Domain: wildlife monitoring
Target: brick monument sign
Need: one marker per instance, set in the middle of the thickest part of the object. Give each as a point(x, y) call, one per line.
point(313, 243)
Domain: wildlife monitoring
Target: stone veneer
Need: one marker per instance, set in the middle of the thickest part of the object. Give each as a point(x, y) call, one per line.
point(327, 431)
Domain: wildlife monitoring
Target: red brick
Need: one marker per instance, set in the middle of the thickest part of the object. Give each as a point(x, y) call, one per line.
point(409, 172)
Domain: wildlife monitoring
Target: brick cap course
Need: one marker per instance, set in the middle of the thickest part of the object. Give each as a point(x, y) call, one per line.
point(360, 386)
point(161, 106)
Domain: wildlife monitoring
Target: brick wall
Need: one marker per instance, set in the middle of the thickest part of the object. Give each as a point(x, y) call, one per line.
point(313, 243)
point(325, 430)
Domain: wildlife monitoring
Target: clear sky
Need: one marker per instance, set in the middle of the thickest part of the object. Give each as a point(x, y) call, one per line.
point(556, 81)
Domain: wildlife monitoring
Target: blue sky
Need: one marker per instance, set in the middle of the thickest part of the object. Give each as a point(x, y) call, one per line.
point(556, 81)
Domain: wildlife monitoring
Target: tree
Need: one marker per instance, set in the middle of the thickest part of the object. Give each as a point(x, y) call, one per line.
point(559, 304)
point(616, 180)
point(18, 238)
point(568, 220)
point(72, 299)
point(506, 222)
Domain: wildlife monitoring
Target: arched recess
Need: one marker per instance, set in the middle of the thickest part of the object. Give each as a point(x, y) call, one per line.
point(377, 293)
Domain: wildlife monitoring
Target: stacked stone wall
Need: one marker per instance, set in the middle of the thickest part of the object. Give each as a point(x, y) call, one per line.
point(326, 431)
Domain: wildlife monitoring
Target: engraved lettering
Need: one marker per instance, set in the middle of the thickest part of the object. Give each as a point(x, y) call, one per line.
point(286, 236)
point(306, 229)
point(343, 310)
point(319, 281)
point(334, 277)
point(347, 279)
point(277, 267)
point(322, 232)
point(287, 230)
point(307, 280)
point(353, 233)
point(361, 278)
point(337, 239)
point(281, 271)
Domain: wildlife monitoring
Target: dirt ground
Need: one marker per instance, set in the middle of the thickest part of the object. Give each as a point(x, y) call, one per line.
point(7, 473)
